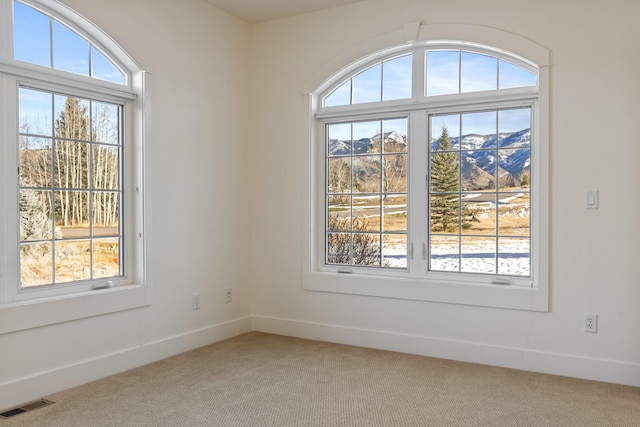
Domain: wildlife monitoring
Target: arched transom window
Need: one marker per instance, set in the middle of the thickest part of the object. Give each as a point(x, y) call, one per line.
point(72, 105)
point(431, 167)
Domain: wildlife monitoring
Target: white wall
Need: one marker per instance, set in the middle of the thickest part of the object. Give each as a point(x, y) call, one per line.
point(226, 213)
point(593, 144)
point(199, 60)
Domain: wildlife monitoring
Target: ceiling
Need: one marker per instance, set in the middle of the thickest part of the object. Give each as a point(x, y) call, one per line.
point(256, 11)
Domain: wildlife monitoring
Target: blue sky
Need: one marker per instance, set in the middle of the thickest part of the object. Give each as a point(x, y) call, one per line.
point(447, 72)
point(41, 40)
point(482, 123)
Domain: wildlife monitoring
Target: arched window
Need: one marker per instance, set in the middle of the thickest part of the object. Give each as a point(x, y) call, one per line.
point(429, 170)
point(73, 214)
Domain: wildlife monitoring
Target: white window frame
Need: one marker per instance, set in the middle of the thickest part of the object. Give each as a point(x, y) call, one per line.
point(28, 308)
point(415, 283)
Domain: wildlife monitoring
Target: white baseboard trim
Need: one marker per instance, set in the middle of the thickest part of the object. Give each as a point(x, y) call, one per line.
point(41, 384)
point(44, 383)
point(567, 365)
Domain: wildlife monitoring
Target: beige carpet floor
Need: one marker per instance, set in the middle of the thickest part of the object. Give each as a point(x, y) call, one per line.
point(259, 379)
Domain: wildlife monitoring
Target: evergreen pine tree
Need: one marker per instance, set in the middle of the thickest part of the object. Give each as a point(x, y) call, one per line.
point(445, 184)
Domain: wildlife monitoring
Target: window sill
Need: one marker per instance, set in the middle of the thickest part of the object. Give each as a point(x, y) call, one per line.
point(48, 311)
point(420, 289)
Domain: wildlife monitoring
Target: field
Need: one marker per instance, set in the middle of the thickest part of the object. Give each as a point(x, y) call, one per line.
point(73, 260)
point(475, 249)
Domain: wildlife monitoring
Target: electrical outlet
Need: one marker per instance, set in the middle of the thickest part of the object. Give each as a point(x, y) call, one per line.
point(591, 322)
point(195, 301)
point(227, 294)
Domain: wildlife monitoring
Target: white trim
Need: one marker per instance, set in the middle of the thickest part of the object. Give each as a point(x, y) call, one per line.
point(570, 365)
point(394, 42)
point(90, 31)
point(65, 303)
point(33, 313)
point(24, 389)
point(56, 78)
point(532, 295)
point(43, 383)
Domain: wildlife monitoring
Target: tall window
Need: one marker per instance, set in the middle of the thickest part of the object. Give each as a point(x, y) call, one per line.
point(72, 214)
point(70, 193)
point(433, 172)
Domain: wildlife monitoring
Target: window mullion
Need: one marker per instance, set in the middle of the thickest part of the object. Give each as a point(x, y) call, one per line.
point(419, 75)
point(6, 30)
point(417, 194)
point(9, 233)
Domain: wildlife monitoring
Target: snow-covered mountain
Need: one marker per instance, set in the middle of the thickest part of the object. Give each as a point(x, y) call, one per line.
point(339, 147)
point(479, 155)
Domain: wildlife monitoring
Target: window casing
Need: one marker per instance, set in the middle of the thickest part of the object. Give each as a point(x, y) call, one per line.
point(72, 150)
point(366, 239)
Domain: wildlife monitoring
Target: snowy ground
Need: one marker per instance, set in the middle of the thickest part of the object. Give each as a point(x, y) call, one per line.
point(478, 256)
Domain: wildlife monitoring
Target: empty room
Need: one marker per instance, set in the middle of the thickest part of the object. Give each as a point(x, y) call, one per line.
point(319, 212)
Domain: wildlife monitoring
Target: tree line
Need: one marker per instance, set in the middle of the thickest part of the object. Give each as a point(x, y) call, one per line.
point(69, 178)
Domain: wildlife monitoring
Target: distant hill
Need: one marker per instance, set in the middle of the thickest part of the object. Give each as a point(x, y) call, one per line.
point(479, 160)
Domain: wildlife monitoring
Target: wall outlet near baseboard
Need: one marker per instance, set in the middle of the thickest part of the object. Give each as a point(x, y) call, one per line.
point(227, 295)
point(591, 323)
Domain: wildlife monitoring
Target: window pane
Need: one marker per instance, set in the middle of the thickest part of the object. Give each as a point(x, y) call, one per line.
point(478, 72)
point(70, 51)
point(514, 257)
point(71, 165)
point(35, 215)
point(395, 135)
point(444, 253)
point(367, 86)
point(366, 174)
point(72, 213)
point(366, 191)
point(339, 175)
point(339, 138)
point(366, 213)
point(106, 258)
point(72, 260)
point(82, 198)
point(35, 112)
point(339, 213)
point(445, 213)
point(514, 214)
point(443, 72)
point(478, 166)
point(35, 162)
point(105, 164)
point(366, 249)
point(394, 250)
point(514, 76)
point(479, 213)
point(105, 211)
point(478, 255)
point(366, 137)
point(394, 177)
point(396, 83)
point(31, 35)
point(40, 40)
point(105, 121)
point(339, 248)
point(71, 118)
point(340, 96)
point(515, 120)
point(480, 124)
point(394, 213)
point(444, 169)
point(36, 264)
point(102, 68)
